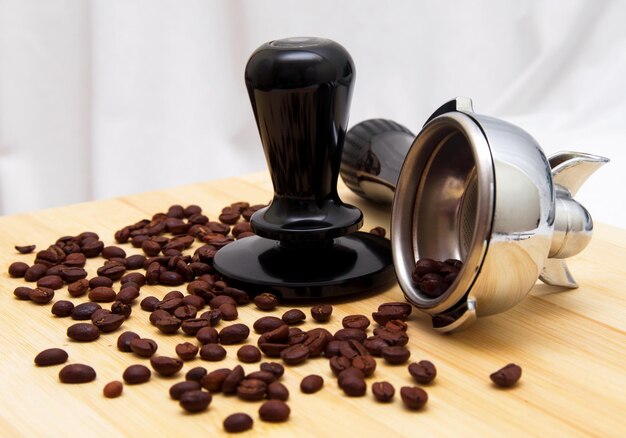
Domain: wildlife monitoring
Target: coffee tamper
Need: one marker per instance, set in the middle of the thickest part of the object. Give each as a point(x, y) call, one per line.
point(476, 189)
point(306, 244)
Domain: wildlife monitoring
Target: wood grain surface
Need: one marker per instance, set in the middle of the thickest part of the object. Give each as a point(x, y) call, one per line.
point(571, 345)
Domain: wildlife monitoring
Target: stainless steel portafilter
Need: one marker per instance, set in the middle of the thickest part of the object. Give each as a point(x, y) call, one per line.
point(477, 189)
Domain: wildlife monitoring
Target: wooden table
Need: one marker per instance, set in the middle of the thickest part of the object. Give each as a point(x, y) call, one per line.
point(571, 345)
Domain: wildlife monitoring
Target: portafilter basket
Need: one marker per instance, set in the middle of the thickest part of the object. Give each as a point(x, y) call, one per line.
point(477, 189)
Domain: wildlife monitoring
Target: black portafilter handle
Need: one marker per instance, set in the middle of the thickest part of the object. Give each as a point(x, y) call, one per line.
point(373, 155)
point(300, 90)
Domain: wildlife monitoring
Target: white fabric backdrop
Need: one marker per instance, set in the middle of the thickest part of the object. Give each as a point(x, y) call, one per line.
point(103, 98)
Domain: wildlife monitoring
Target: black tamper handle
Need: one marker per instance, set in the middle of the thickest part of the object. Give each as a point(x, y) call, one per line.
point(373, 155)
point(300, 90)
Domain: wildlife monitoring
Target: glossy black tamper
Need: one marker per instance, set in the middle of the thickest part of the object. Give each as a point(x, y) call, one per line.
point(306, 243)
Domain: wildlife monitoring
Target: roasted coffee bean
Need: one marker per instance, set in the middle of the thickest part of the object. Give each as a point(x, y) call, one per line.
point(158, 314)
point(174, 295)
point(507, 376)
point(273, 367)
point(241, 297)
point(171, 278)
point(176, 211)
point(388, 311)
point(241, 227)
point(191, 209)
point(333, 348)
point(113, 389)
point(249, 354)
point(207, 335)
point(229, 216)
point(311, 384)
point(383, 391)
point(360, 322)
point(143, 347)
point(169, 304)
point(266, 376)
point(136, 374)
point(178, 389)
point(166, 366)
point(83, 332)
point(349, 372)
point(71, 274)
point(266, 301)
point(232, 381)
point(426, 266)
point(229, 312)
point(120, 308)
point(339, 363)
point(277, 391)
point(353, 386)
point(133, 277)
point(396, 355)
point(214, 380)
point(18, 269)
point(432, 285)
point(78, 288)
point(195, 401)
point(77, 373)
point(248, 212)
point(99, 313)
point(238, 422)
point(135, 262)
point(112, 269)
point(295, 354)
point(267, 324)
point(392, 338)
point(322, 313)
point(84, 311)
point(293, 316)
point(124, 339)
point(348, 334)
point(212, 352)
point(51, 356)
point(53, 270)
point(351, 349)
point(109, 323)
point(168, 324)
point(196, 287)
point(185, 312)
point(234, 334)
point(41, 295)
point(22, 292)
point(423, 372)
point(193, 326)
point(214, 316)
point(193, 300)
point(186, 350)
point(25, 249)
point(271, 349)
point(149, 303)
point(413, 397)
point(219, 300)
point(274, 411)
point(127, 295)
point(100, 282)
point(111, 252)
point(102, 294)
point(252, 389)
point(375, 345)
point(62, 308)
point(365, 363)
point(35, 272)
point(196, 373)
point(75, 260)
point(395, 325)
point(378, 231)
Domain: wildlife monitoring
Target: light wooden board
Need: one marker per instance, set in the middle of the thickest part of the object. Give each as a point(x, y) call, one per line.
point(571, 345)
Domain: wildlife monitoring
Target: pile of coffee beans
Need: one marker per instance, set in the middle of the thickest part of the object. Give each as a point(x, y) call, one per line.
point(206, 307)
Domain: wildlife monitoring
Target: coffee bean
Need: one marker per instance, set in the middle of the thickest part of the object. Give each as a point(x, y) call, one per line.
point(25, 249)
point(252, 389)
point(18, 269)
point(158, 314)
point(100, 282)
point(413, 397)
point(322, 312)
point(84, 311)
point(207, 335)
point(196, 373)
point(62, 308)
point(375, 345)
point(113, 389)
point(135, 262)
point(347, 334)
point(432, 285)
point(185, 312)
point(274, 411)
point(99, 313)
point(378, 231)
point(112, 269)
point(22, 292)
point(51, 356)
point(102, 294)
point(360, 322)
point(392, 338)
point(248, 212)
point(134, 277)
point(83, 332)
point(169, 304)
point(365, 363)
point(266, 376)
point(277, 391)
point(186, 351)
point(349, 372)
point(143, 347)
point(353, 386)
point(193, 326)
point(166, 366)
point(352, 349)
point(127, 295)
point(124, 340)
point(238, 422)
point(295, 354)
point(109, 323)
point(249, 354)
point(168, 324)
point(171, 278)
point(136, 374)
point(234, 334)
point(41, 295)
point(193, 300)
point(311, 384)
point(78, 288)
point(195, 401)
point(388, 311)
point(267, 324)
point(395, 325)
point(383, 391)
point(423, 372)
point(232, 381)
point(178, 389)
point(507, 376)
point(111, 252)
point(339, 363)
point(212, 352)
point(396, 355)
point(214, 380)
point(266, 301)
point(71, 274)
point(149, 303)
point(77, 373)
point(293, 316)
point(35, 272)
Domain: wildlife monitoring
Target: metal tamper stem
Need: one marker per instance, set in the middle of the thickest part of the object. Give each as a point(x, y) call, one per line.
point(477, 189)
point(307, 244)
